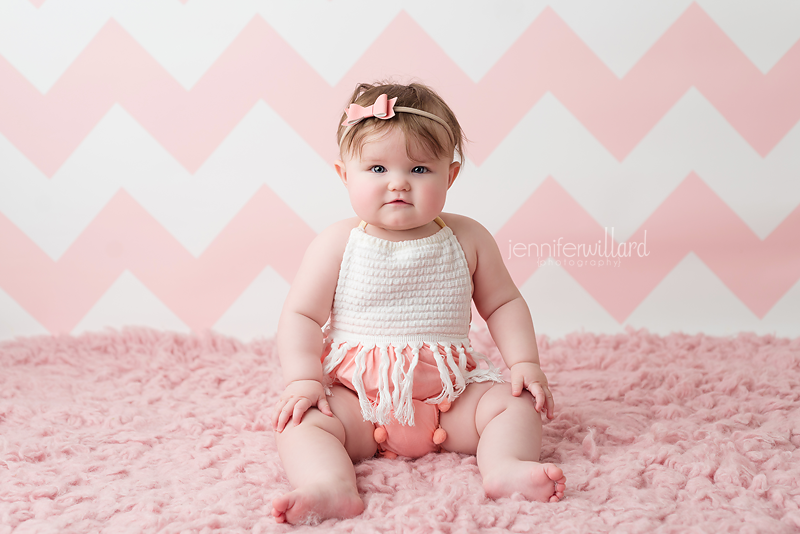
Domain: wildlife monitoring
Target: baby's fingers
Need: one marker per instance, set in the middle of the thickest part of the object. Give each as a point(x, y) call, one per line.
point(289, 411)
point(537, 391)
point(551, 404)
point(517, 383)
point(283, 416)
point(300, 408)
point(276, 413)
point(544, 399)
point(324, 407)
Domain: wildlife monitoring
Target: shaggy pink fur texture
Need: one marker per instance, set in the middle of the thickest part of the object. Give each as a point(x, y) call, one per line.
point(145, 431)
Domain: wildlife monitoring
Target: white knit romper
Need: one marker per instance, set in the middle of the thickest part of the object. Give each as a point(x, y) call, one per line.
point(404, 294)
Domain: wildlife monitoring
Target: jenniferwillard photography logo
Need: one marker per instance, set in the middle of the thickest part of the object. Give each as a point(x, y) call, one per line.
point(604, 253)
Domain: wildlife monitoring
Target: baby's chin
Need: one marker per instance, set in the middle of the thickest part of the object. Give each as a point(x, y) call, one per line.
point(400, 226)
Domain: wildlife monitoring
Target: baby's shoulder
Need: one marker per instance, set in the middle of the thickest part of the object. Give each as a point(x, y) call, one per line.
point(466, 230)
point(461, 222)
point(340, 229)
point(475, 240)
point(331, 242)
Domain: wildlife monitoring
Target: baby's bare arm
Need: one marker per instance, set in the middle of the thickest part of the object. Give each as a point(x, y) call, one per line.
point(500, 303)
point(305, 312)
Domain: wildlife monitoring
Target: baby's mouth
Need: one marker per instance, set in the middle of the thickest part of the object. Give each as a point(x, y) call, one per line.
point(398, 201)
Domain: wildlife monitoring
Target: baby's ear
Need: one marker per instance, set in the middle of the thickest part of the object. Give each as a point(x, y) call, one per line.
point(455, 168)
point(340, 170)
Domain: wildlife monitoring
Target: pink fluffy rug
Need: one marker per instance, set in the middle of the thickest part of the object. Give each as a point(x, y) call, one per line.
point(144, 431)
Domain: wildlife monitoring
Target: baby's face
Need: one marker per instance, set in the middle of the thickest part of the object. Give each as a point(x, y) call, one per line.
point(389, 189)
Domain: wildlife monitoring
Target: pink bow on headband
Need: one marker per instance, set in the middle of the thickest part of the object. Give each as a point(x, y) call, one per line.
point(383, 108)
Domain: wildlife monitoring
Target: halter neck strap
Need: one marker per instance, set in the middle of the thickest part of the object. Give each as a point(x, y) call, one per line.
point(437, 220)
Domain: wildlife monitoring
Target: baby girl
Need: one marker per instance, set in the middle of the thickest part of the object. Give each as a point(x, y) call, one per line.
point(373, 338)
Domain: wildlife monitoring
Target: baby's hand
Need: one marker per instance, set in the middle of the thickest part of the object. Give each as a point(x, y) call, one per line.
point(296, 399)
point(530, 376)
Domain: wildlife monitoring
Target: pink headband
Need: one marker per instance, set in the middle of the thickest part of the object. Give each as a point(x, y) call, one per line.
point(383, 108)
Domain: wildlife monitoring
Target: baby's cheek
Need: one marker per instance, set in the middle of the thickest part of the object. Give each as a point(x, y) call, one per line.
point(360, 195)
point(362, 198)
point(435, 195)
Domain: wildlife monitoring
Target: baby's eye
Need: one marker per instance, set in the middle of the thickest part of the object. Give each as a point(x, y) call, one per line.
point(419, 169)
point(378, 168)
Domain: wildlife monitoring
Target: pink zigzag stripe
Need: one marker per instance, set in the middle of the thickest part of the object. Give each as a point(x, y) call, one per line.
point(259, 64)
point(125, 236)
point(692, 219)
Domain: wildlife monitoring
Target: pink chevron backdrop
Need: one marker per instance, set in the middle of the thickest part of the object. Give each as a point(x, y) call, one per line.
point(169, 175)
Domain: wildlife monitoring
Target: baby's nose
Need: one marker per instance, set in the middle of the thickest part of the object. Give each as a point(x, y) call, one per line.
point(399, 183)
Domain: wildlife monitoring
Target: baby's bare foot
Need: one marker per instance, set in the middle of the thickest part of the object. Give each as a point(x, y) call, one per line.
point(315, 504)
point(536, 482)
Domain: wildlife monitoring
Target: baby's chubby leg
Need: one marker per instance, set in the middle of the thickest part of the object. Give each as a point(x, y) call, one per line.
point(506, 434)
point(318, 456)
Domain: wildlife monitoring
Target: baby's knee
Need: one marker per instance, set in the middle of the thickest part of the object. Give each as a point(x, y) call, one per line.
point(498, 399)
point(501, 392)
point(330, 424)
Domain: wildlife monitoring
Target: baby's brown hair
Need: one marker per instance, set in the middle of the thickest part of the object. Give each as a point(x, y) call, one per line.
point(420, 131)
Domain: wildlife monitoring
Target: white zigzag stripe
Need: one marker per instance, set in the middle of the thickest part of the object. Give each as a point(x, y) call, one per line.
point(118, 153)
point(128, 302)
point(691, 298)
point(763, 30)
point(41, 44)
point(692, 136)
point(15, 321)
point(186, 39)
point(620, 32)
point(257, 310)
point(477, 34)
point(560, 305)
